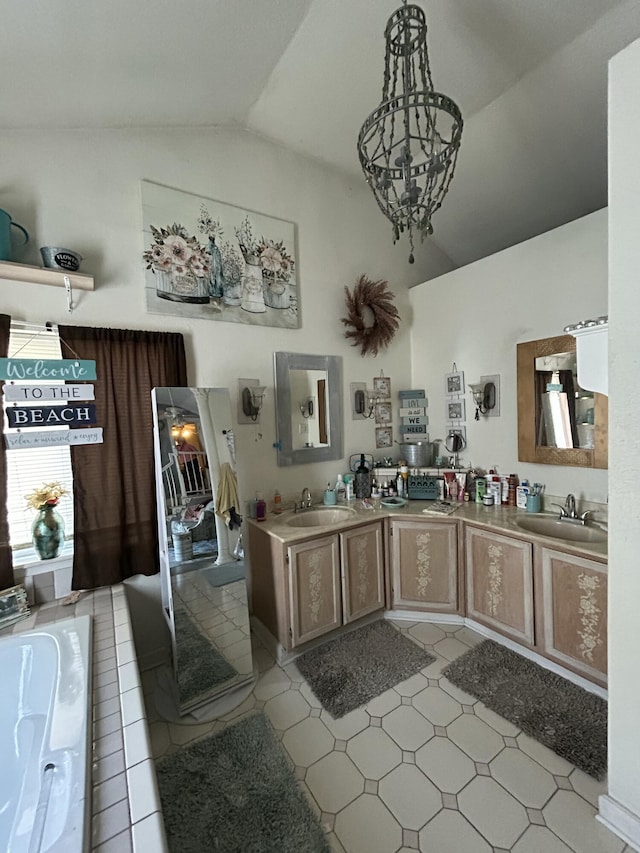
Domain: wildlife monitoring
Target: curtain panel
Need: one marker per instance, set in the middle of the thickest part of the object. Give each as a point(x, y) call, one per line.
point(6, 560)
point(114, 495)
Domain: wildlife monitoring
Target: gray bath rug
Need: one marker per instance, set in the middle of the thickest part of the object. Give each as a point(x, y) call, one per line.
point(235, 793)
point(348, 672)
point(200, 666)
point(566, 718)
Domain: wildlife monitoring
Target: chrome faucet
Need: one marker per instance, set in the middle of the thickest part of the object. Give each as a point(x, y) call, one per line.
point(305, 503)
point(568, 512)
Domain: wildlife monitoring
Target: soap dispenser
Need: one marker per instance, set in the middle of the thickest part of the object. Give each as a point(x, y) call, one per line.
point(363, 480)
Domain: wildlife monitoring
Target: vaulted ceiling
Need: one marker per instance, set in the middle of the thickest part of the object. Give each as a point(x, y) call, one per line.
point(530, 77)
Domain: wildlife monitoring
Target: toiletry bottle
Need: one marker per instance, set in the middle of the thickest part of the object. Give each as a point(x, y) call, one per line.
point(277, 503)
point(521, 494)
point(348, 487)
point(341, 492)
point(481, 489)
point(513, 483)
point(252, 508)
point(261, 507)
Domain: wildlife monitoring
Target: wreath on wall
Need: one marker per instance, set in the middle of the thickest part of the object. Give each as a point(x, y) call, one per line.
point(372, 317)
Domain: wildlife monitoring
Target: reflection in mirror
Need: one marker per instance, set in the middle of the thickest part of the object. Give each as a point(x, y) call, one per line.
point(559, 423)
point(203, 583)
point(309, 426)
point(565, 415)
point(308, 407)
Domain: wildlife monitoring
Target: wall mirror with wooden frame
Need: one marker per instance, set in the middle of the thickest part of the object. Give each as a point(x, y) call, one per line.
point(559, 423)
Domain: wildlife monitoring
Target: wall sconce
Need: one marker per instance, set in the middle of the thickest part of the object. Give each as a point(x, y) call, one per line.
point(484, 397)
point(252, 398)
point(365, 402)
point(306, 408)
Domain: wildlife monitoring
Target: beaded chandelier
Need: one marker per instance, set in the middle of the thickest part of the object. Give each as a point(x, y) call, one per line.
point(409, 144)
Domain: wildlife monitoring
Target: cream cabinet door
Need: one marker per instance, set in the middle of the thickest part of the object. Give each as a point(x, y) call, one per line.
point(314, 588)
point(500, 583)
point(574, 612)
point(424, 565)
point(362, 571)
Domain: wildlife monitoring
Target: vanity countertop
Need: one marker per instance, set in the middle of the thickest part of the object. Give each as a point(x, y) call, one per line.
point(498, 519)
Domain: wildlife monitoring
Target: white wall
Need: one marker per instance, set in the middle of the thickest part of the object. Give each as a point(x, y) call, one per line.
point(81, 189)
point(475, 316)
point(624, 435)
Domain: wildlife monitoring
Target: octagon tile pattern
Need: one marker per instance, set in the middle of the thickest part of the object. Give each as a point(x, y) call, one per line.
point(422, 767)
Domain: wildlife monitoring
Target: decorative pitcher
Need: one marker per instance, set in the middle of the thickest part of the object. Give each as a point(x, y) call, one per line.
point(6, 223)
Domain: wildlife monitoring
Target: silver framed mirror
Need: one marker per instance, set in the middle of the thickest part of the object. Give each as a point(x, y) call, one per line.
point(308, 407)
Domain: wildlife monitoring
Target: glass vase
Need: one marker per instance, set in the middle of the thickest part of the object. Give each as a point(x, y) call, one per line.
point(216, 276)
point(48, 532)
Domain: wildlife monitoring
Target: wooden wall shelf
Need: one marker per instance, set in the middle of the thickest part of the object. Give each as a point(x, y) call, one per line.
point(42, 275)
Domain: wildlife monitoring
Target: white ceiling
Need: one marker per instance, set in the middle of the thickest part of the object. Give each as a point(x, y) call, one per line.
point(530, 77)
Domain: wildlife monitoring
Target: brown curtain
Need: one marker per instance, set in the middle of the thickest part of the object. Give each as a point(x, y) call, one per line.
point(114, 497)
point(6, 561)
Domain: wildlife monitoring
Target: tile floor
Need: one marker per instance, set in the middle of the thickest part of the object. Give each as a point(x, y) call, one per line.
point(423, 767)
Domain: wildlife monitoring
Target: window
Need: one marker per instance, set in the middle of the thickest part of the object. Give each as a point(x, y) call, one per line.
point(29, 468)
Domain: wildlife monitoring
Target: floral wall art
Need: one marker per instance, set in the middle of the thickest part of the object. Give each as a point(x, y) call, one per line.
point(215, 261)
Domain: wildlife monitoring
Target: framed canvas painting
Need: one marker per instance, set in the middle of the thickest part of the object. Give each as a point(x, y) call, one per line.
point(215, 261)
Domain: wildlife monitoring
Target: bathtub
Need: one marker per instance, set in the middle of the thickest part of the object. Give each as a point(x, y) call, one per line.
point(44, 738)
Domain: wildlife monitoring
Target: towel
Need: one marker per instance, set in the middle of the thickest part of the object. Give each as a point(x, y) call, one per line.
point(227, 492)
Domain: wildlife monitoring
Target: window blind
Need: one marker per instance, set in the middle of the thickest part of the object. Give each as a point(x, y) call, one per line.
point(29, 468)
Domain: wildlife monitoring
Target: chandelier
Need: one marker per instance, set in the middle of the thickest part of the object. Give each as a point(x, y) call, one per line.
point(409, 144)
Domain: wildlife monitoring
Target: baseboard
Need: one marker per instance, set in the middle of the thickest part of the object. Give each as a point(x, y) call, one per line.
point(618, 819)
point(157, 657)
point(530, 654)
point(419, 616)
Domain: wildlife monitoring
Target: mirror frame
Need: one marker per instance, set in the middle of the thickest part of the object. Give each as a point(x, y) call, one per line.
point(528, 450)
point(283, 363)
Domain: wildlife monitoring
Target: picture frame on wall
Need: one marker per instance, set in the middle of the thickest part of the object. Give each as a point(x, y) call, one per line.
point(454, 382)
point(456, 411)
point(382, 386)
point(384, 437)
point(383, 413)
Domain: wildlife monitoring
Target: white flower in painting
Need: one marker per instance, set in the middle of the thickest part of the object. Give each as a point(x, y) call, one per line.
point(178, 248)
point(271, 260)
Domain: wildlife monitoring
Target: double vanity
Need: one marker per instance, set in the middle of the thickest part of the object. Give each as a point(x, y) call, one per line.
point(531, 579)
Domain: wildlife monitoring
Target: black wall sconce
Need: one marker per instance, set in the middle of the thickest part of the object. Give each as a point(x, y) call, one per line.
point(484, 397)
point(252, 398)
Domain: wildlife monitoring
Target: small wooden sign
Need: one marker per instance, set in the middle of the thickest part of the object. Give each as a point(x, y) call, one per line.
point(38, 393)
point(413, 429)
point(42, 369)
point(411, 412)
point(413, 402)
point(53, 438)
point(25, 417)
point(416, 419)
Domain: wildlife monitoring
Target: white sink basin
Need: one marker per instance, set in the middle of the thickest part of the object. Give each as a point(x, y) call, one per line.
point(321, 516)
point(551, 526)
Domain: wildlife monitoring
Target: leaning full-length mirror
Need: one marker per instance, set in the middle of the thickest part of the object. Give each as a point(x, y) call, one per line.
point(308, 407)
point(201, 561)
